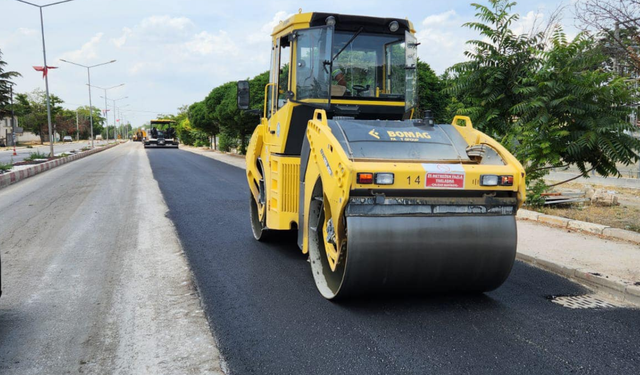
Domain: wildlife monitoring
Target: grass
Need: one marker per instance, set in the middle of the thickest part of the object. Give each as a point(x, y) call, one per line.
point(35, 155)
point(5, 167)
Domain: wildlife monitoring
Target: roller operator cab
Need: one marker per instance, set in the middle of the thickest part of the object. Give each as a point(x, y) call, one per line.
point(161, 135)
point(384, 200)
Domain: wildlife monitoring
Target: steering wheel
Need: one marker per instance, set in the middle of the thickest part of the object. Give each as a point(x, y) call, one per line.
point(360, 89)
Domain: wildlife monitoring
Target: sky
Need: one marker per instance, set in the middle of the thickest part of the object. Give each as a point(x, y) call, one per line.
point(174, 52)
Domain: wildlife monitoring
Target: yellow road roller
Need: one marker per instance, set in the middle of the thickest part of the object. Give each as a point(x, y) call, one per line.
point(383, 199)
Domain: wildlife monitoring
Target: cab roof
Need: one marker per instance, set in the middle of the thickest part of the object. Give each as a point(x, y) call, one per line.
point(344, 22)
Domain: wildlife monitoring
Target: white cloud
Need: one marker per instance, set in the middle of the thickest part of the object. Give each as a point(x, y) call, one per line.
point(27, 32)
point(440, 19)
point(442, 40)
point(165, 22)
point(86, 53)
point(145, 67)
point(264, 35)
point(205, 43)
point(18, 36)
point(161, 45)
point(119, 42)
point(528, 24)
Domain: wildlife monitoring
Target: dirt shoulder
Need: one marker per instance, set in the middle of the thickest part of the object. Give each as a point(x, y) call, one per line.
point(625, 216)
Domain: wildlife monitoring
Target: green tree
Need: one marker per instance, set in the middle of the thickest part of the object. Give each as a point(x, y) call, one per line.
point(31, 110)
point(201, 120)
point(490, 83)
point(234, 122)
point(431, 95)
point(5, 87)
point(65, 121)
point(575, 114)
point(85, 122)
point(550, 105)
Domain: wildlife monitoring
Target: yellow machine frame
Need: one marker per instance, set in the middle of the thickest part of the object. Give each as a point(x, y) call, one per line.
point(274, 176)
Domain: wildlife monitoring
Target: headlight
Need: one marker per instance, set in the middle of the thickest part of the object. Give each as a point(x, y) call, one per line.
point(488, 180)
point(384, 178)
point(494, 180)
point(330, 21)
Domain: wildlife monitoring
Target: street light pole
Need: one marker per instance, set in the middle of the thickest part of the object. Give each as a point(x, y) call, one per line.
point(89, 80)
point(105, 104)
point(13, 119)
point(114, 113)
point(46, 76)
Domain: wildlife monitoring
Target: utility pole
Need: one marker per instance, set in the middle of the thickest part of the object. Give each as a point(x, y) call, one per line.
point(77, 126)
point(13, 118)
point(13, 121)
point(616, 36)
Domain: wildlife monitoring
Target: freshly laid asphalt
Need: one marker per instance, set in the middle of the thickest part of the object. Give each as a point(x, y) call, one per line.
point(268, 317)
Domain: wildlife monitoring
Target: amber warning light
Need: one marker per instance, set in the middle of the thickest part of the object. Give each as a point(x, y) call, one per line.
point(365, 178)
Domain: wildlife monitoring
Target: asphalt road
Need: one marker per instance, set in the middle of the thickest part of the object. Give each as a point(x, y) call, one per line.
point(22, 153)
point(94, 279)
point(268, 318)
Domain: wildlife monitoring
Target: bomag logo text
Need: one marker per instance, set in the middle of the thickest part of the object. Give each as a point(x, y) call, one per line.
point(407, 136)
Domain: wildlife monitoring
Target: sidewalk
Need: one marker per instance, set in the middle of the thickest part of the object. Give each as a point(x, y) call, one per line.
point(235, 160)
point(605, 265)
point(570, 248)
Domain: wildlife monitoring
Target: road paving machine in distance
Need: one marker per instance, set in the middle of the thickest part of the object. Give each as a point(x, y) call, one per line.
point(161, 135)
point(139, 135)
point(383, 199)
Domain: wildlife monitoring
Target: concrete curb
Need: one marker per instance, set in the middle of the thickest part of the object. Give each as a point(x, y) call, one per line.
point(188, 148)
point(584, 226)
point(11, 178)
point(618, 289)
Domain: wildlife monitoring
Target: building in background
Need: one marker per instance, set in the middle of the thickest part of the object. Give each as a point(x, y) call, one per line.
point(25, 137)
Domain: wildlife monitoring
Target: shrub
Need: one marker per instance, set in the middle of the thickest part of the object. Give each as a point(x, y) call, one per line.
point(201, 143)
point(534, 195)
point(5, 167)
point(36, 155)
point(227, 142)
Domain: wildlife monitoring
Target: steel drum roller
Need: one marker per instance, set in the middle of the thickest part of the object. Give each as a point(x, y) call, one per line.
point(419, 254)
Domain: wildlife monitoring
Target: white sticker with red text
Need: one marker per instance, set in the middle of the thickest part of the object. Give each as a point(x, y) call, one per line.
point(444, 176)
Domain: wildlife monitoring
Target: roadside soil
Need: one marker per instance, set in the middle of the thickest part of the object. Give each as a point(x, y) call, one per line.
point(624, 216)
